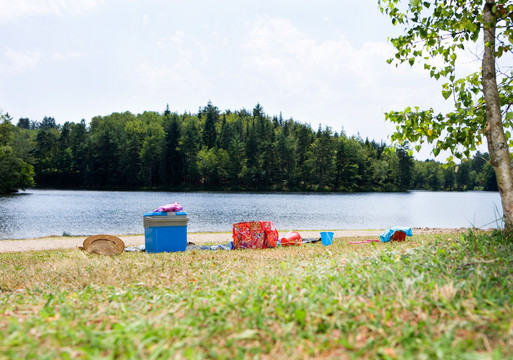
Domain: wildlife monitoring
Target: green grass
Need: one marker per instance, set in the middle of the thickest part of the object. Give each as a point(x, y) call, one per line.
point(446, 297)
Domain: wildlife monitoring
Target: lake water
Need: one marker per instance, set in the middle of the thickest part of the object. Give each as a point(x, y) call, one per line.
point(37, 213)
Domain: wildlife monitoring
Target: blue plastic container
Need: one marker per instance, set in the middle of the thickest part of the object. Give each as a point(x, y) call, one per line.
point(165, 232)
point(326, 238)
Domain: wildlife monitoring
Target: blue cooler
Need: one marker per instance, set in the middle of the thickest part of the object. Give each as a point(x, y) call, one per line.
point(165, 232)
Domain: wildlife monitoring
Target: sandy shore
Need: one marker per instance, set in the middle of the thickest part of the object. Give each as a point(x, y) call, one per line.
point(59, 242)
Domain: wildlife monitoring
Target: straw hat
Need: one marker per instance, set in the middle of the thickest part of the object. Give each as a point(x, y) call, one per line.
point(104, 245)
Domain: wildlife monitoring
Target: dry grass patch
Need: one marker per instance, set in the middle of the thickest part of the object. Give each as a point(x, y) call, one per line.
point(432, 295)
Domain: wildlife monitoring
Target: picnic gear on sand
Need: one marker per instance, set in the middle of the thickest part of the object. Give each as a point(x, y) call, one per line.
point(310, 240)
point(396, 234)
point(327, 238)
point(392, 234)
point(104, 245)
point(292, 238)
point(228, 246)
point(135, 248)
point(174, 207)
point(190, 247)
point(254, 235)
point(165, 231)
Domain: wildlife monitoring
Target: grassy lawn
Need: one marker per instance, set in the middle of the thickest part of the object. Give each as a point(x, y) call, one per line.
point(447, 297)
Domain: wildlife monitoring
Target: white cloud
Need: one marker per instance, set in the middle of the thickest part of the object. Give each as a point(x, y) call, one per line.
point(175, 44)
point(19, 61)
point(188, 47)
point(330, 81)
point(172, 41)
point(58, 56)
point(297, 62)
point(179, 79)
point(13, 9)
point(284, 58)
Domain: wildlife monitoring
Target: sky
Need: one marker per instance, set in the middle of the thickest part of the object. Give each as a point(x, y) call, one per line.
point(319, 62)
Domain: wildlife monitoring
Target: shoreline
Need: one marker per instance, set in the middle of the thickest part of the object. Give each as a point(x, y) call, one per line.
point(70, 242)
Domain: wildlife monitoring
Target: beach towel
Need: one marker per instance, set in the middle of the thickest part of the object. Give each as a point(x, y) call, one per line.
point(174, 207)
point(395, 234)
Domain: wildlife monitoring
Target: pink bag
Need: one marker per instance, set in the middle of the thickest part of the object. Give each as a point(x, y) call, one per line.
point(174, 207)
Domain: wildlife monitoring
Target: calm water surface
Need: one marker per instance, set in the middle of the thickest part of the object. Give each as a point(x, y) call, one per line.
point(37, 213)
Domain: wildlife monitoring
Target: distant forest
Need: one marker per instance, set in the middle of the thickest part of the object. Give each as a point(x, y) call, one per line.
point(214, 150)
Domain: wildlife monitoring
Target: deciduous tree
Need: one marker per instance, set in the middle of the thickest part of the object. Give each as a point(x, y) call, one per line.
point(15, 172)
point(438, 32)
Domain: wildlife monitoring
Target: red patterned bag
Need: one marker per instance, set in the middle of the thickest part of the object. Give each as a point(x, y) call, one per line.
point(271, 234)
point(254, 235)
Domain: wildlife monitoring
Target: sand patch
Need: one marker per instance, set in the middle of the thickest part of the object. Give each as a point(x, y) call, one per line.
point(68, 242)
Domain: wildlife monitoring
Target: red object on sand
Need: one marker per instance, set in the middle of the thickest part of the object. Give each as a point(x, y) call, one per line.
point(254, 235)
point(292, 238)
point(398, 236)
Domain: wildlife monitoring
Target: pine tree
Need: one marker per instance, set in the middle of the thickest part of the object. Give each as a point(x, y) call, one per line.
point(209, 129)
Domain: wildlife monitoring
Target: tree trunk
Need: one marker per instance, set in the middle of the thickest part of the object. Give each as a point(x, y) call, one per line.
point(497, 145)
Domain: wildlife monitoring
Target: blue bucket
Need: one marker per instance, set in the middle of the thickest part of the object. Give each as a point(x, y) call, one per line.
point(326, 238)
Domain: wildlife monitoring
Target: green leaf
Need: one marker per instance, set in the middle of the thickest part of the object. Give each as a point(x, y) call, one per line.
point(446, 94)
